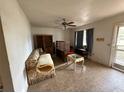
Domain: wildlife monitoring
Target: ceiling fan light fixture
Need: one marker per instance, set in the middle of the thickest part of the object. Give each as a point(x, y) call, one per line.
point(67, 25)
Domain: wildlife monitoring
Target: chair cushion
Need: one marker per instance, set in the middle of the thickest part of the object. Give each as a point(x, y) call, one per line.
point(45, 64)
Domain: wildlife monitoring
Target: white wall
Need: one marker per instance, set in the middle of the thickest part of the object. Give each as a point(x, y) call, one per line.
point(58, 34)
point(18, 42)
point(72, 33)
point(103, 28)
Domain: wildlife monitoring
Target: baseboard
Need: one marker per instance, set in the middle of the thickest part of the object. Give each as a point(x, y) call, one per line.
point(25, 89)
point(99, 63)
point(1, 88)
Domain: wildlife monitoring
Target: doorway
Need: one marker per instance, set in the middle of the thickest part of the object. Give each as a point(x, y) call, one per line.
point(119, 49)
point(5, 75)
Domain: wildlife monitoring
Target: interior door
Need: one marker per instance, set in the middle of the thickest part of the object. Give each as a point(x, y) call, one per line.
point(4, 64)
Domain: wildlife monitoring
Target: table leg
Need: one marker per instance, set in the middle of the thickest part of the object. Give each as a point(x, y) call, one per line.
point(68, 60)
point(74, 66)
point(82, 64)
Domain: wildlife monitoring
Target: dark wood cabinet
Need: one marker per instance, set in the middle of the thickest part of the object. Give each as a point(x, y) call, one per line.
point(82, 52)
point(45, 42)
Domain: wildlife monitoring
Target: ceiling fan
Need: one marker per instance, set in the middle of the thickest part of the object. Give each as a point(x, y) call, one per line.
point(67, 24)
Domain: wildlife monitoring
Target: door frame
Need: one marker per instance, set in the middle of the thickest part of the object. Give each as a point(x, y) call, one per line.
point(113, 44)
point(5, 72)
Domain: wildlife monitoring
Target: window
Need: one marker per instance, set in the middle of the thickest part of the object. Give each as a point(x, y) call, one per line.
point(84, 38)
point(76, 39)
point(80, 38)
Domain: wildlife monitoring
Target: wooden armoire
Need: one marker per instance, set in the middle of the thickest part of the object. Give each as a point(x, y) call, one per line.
point(45, 42)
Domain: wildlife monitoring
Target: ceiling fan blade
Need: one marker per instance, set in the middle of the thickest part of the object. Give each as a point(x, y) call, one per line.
point(70, 23)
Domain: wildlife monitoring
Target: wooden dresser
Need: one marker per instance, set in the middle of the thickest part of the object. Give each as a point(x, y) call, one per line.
point(45, 42)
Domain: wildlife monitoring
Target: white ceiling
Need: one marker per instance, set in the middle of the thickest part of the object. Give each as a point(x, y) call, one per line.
point(48, 13)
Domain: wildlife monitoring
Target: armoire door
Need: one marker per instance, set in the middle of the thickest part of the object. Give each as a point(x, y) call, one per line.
point(45, 42)
point(48, 47)
point(38, 41)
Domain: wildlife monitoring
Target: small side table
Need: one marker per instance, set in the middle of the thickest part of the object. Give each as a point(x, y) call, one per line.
point(75, 59)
